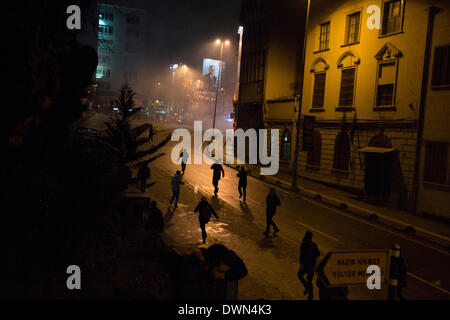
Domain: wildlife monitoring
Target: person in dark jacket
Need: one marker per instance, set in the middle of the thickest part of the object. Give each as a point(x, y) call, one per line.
point(176, 182)
point(308, 255)
point(155, 222)
point(204, 273)
point(272, 202)
point(143, 175)
point(205, 210)
point(184, 156)
point(242, 186)
point(217, 169)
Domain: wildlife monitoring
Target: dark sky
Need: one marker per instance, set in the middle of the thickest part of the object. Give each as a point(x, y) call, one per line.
point(185, 30)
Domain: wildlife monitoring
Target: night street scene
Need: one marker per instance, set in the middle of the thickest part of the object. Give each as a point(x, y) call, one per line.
point(220, 151)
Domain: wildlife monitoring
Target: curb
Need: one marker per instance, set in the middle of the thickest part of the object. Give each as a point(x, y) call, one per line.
point(365, 213)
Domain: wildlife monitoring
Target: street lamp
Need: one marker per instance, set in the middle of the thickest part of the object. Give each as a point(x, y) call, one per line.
point(221, 43)
point(300, 99)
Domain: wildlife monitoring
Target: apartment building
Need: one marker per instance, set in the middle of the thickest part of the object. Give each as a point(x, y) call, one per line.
point(121, 50)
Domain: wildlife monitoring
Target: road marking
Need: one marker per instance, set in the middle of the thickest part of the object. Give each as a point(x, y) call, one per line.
point(428, 283)
point(375, 226)
point(322, 233)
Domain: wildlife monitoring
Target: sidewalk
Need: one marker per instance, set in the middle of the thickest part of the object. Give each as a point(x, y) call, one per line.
point(428, 229)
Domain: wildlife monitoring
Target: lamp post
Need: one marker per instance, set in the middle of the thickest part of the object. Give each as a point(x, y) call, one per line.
point(300, 91)
point(219, 42)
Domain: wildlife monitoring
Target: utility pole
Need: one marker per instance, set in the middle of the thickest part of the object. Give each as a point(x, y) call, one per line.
point(218, 83)
point(300, 101)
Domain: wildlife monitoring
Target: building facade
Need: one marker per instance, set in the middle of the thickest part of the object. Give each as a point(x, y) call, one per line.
point(254, 20)
point(121, 50)
point(363, 85)
point(434, 170)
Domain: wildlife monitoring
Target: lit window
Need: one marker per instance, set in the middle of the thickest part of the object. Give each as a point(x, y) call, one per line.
point(386, 83)
point(319, 90)
point(392, 17)
point(347, 87)
point(324, 40)
point(352, 34)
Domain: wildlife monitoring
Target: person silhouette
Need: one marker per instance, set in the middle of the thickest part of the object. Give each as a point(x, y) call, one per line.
point(308, 255)
point(205, 210)
point(176, 182)
point(272, 202)
point(242, 185)
point(217, 169)
point(184, 155)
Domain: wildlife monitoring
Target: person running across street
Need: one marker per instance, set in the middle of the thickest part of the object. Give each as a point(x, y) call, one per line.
point(308, 255)
point(205, 210)
point(272, 202)
point(184, 155)
point(242, 186)
point(176, 182)
point(217, 169)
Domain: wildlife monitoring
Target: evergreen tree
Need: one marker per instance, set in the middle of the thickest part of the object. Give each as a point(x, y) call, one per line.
point(129, 140)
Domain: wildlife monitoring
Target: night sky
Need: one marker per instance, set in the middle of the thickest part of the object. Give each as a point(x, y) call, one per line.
point(186, 30)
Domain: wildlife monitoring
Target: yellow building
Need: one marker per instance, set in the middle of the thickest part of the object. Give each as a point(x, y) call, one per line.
point(434, 178)
point(363, 76)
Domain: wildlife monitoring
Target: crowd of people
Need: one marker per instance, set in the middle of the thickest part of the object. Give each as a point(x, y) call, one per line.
point(212, 273)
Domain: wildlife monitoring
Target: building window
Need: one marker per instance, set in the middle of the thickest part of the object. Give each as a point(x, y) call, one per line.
point(313, 156)
point(386, 79)
point(104, 59)
point(106, 16)
point(286, 146)
point(324, 40)
point(132, 19)
point(103, 72)
point(105, 30)
point(341, 151)
point(392, 17)
point(347, 87)
point(352, 32)
point(441, 67)
point(436, 162)
point(319, 90)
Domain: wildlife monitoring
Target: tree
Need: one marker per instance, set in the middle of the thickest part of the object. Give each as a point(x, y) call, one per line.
point(129, 141)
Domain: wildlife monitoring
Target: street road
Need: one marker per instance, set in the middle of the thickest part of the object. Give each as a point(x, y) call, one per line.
point(273, 262)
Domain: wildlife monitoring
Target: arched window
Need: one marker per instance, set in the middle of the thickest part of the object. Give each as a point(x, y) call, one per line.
point(341, 151)
point(313, 156)
point(285, 150)
point(319, 70)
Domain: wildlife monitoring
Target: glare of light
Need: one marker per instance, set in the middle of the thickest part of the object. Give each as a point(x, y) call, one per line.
point(218, 41)
point(241, 30)
point(157, 101)
point(101, 22)
point(229, 120)
point(227, 42)
point(285, 138)
point(115, 109)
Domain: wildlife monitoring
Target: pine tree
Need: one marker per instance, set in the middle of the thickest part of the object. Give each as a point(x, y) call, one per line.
point(127, 140)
